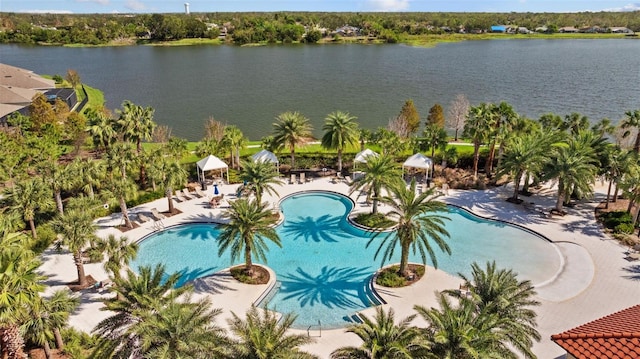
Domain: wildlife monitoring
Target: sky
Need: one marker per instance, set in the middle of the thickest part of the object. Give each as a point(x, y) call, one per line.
point(173, 6)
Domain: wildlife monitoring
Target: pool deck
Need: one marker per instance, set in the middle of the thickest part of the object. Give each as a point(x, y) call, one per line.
point(596, 279)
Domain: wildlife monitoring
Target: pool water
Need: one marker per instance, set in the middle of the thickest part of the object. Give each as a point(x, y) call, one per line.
point(324, 267)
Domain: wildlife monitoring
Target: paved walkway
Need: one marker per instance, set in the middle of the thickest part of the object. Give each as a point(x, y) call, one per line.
point(595, 280)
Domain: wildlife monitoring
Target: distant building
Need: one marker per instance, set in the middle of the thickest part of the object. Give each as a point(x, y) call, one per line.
point(568, 29)
point(499, 28)
point(620, 30)
point(186, 8)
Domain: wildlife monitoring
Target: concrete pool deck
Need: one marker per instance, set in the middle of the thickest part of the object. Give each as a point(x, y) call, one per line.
point(596, 280)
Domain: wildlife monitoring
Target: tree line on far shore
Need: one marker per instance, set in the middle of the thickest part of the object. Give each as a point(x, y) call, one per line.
point(242, 28)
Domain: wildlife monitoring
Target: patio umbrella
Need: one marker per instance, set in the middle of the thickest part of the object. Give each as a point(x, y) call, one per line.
point(215, 189)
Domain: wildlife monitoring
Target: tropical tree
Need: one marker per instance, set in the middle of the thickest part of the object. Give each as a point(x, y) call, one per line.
point(458, 112)
point(49, 317)
point(59, 178)
point(379, 172)
point(410, 115)
point(502, 121)
point(76, 230)
point(460, 332)
point(101, 128)
point(418, 223)
point(169, 174)
point(249, 224)
point(478, 128)
point(136, 124)
point(176, 147)
point(260, 177)
point(265, 336)
point(235, 140)
point(120, 157)
point(28, 198)
point(122, 189)
point(383, 338)
point(436, 116)
point(88, 174)
point(618, 165)
point(291, 129)
point(139, 298)
point(390, 142)
point(340, 131)
point(434, 137)
point(631, 124)
point(119, 251)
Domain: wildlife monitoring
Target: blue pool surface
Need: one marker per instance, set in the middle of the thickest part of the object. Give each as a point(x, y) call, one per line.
point(324, 267)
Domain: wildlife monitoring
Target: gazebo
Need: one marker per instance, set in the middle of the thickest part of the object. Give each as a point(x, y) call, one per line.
point(266, 156)
point(362, 156)
point(421, 162)
point(211, 163)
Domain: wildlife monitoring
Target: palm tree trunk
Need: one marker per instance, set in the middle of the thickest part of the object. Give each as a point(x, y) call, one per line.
point(238, 156)
point(375, 202)
point(636, 145)
point(32, 225)
point(488, 167)
point(82, 278)
point(340, 159)
point(169, 199)
point(125, 213)
point(143, 171)
point(58, 337)
point(615, 194)
point(516, 185)
point(292, 158)
point(560, 200)
point(58, 196)
point(476, 159)
point(606, 202)
point(47, 350)
point(248, 264)
point(11, 342)
point(404, 260)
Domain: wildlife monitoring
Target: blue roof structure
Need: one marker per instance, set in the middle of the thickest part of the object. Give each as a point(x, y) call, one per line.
point(498, 28)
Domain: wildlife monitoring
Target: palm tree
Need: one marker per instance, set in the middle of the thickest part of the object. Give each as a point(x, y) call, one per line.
point(88, 173)
point(49, 317)
point(291, 129)
point(250, 223)
point(102, 129)
point(460, 332)
point(136, 124)
point(632, 122)
point(29, 197)
point(417, 225)
point(176, 147)
point(235, 140)
point(169, 174)
point(260, 177)
point(499, 292)
point(478, 127)
point(340, 131)
point(379, 172)
point(119, 251)
point(618, 165)
point(503, 121)
point(120, 157)
point(434, 137)
point(19, 290)
point(139, 297)
point(183, 330)
point(265, 337)
point(59, 178)
point(77, 230)
point(123, 189)
point(384, 339)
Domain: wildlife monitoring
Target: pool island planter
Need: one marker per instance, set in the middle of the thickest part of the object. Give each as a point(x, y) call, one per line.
point(409, 281)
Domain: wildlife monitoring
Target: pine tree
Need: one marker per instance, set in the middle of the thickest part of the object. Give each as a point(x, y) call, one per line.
point(436, 116)
point(411, 116)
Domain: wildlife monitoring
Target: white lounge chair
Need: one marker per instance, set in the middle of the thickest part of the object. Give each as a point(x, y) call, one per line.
point(179, 196)
point(293, 179)
point(199, 193)
point(302, 178)
point(142, 218)
point(186, 194)
point(157, 216)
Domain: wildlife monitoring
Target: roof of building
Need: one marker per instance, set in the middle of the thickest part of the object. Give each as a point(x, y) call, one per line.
point(16, 95)
point(17, 77)
point(614, 336)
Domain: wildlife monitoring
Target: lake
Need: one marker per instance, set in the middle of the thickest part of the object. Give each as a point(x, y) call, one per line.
point(249, 86)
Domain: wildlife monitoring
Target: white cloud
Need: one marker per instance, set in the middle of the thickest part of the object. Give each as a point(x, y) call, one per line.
point(36, 11)
point(388, 5)
point(101, 2)
point(628, 7)
point(135, 5)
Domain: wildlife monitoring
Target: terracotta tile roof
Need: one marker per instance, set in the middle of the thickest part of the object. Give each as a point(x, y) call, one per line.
point(616, 336)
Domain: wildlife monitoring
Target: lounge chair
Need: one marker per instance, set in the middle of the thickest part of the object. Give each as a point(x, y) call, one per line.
point(199, 193)
point(293, 179)
point(157, 216)
point(302, 178)
point(142, 218)
point(179, 196)
point(186, 194)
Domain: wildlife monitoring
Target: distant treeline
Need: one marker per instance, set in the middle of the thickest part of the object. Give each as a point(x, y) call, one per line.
point(241, 28)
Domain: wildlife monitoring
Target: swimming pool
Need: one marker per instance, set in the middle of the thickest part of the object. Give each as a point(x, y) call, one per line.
point(323, 267)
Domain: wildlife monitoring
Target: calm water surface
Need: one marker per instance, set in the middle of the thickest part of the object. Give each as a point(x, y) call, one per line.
point(249, 86)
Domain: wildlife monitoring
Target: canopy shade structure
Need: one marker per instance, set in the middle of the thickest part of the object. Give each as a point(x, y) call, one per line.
point(211, 163)
point(266, 156)
point(362, 156)
point(419, 161)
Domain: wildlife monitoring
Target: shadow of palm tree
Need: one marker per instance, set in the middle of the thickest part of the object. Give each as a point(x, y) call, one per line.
point(634, 272)
point(324, 228)
point(188, 275)
point(333, 287)
point(214, 283)
point(204, 232)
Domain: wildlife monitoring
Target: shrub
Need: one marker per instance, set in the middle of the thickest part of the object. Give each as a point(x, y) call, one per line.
point(613, 219)
point(374, 220)
point(46, 236)
point(389, 277)
point(626, 228)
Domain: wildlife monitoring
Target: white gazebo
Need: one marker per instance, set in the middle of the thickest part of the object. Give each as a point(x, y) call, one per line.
point(266, 156)
point(362, 156)
point(211, 163)
point(421, 162)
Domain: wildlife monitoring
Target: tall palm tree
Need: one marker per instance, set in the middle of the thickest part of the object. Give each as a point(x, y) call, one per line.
point(434, 137)
point(499, 292)
point(88, 174)
point(122, 189)
point(59, 178)
point(102, 129)
point(139, 297)
point(77, 231)
point(618, 165)
point(340, 131)
point(183, 330)
point(120, 158)
point(379, 172)
point(260, 177)
point(291, 129)
point(250, 223)
point(460, 332)
point(265, 337)
point(478, 128)
point(49, 317)
point(136, 124)
point(418, 223)
point(383, 338)
point(19, 290)
point(28, 198)
point(235, 140)
point(169, 174)
point(632, 123)
point(119, 251)
point(504, 119)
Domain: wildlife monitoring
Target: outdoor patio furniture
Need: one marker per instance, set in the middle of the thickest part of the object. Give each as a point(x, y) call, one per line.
point(302, 178)
point(179, 196)
point(186, 194)
point(293, 179)
point(157, 216)
point(142, 218)
point(199, 193)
